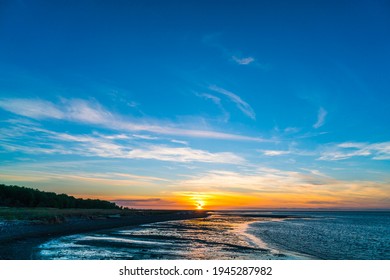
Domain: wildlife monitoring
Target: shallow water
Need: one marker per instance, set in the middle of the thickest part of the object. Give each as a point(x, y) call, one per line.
point(236, 235)
point(331, 235)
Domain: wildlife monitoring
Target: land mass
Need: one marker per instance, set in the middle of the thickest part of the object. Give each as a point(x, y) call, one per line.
point(30, 217)
point(19, 239)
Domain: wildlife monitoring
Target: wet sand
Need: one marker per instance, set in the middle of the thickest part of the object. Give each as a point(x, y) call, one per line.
point(18, 240)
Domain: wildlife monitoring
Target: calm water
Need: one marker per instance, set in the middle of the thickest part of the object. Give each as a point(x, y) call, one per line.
point(237, 235)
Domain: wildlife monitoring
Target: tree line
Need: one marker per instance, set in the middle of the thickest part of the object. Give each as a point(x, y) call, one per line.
point(15, 196)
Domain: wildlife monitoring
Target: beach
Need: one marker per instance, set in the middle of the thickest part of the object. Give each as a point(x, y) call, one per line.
point(220, 235)
point(19, 238)
point(235, 235)
point(201, 235)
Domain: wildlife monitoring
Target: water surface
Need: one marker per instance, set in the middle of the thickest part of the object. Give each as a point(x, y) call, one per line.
point(237, 235)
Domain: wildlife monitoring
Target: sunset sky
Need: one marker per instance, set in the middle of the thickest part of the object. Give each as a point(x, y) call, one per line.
point(198, 104)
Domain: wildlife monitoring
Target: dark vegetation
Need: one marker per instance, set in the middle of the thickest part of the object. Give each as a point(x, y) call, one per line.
point(15, 196)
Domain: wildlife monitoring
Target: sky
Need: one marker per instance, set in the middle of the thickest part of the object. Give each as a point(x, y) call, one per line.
point(198, 104)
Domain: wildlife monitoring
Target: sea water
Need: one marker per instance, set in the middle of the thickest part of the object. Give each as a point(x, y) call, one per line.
point(331, 235)
point(243, 235)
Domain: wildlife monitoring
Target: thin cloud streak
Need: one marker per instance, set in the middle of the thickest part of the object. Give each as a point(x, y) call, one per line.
point(179, 142)
point(81, 111)
point(241, 104)
point(320, 118)
point(343, 151)
point(275, 152)
point(217, 101)
point(32, 108)
point(183, 155)
point(211, 40)
point(244, 60)
point(101, 146)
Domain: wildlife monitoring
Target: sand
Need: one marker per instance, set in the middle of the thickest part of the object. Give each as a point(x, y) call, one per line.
point(18, 239)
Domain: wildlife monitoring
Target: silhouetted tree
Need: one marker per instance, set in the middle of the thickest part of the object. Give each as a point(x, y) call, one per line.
point(15, 196)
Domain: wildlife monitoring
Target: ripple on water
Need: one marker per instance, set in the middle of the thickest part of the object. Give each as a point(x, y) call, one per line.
point(214, 237)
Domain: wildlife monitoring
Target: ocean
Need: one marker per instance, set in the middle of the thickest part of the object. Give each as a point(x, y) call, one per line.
point(242, 235)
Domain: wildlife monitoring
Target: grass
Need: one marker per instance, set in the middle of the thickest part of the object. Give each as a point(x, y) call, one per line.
point(58, 215)
point(30, 214)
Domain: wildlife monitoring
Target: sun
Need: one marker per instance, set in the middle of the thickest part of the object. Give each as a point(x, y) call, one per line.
point(198, 200)
point(199, 205)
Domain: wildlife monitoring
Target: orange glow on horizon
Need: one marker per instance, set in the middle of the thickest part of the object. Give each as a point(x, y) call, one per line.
point(222, 200)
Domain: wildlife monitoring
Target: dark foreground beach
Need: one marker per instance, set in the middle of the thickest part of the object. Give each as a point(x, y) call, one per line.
point(18, 239)
point(235, 235)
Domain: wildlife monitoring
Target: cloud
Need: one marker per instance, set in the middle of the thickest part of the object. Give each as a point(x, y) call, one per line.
point(144, 203)
point(244, 60)
point(260, 180)
point(179, 142)
point(352, 145)
point(145, 137)
point(116, 136)
point(77, 110)
point(275, 187)
point(186, 154)
point(217, 101)
point(138, 200)
point(290, 151)
point(138, 177)
point(74, 178)
point(291, 130)
point(342, 151)
point(212, 40)
point(92, 113)
point(241, 104)
point(320, 118)
point(32, 108)
point(382, 150)
point(275, 152)
point(86, 112)
point(41, 141)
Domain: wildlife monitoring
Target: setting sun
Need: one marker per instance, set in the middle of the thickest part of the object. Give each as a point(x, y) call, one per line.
point(199, 205)
point(198, 200)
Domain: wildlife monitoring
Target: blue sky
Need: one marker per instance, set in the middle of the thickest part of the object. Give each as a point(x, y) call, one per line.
point(160, 104)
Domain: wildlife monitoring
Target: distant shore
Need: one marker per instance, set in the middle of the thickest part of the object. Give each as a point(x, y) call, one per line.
point(19, 238)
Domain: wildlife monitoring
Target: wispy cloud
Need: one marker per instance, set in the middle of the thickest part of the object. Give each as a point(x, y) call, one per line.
point(32, 108)
point(241, 104)
point(320, 118)
point(243, 60)
point(183, 155)
point(291, 130)
point(98, 145)
point(261, 180)
point(138, 177)
point(179, 142)
point(346, 150)
point(145, 137)
point(145, 202)
point(212, 40)
point(77, 178)
point(275, 152)
point(272, 187)
point(291, 150)
point(92, 113)
point(217, 101)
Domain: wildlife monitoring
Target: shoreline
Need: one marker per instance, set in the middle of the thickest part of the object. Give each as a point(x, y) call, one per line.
point(18, 241)
point(292, 255)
